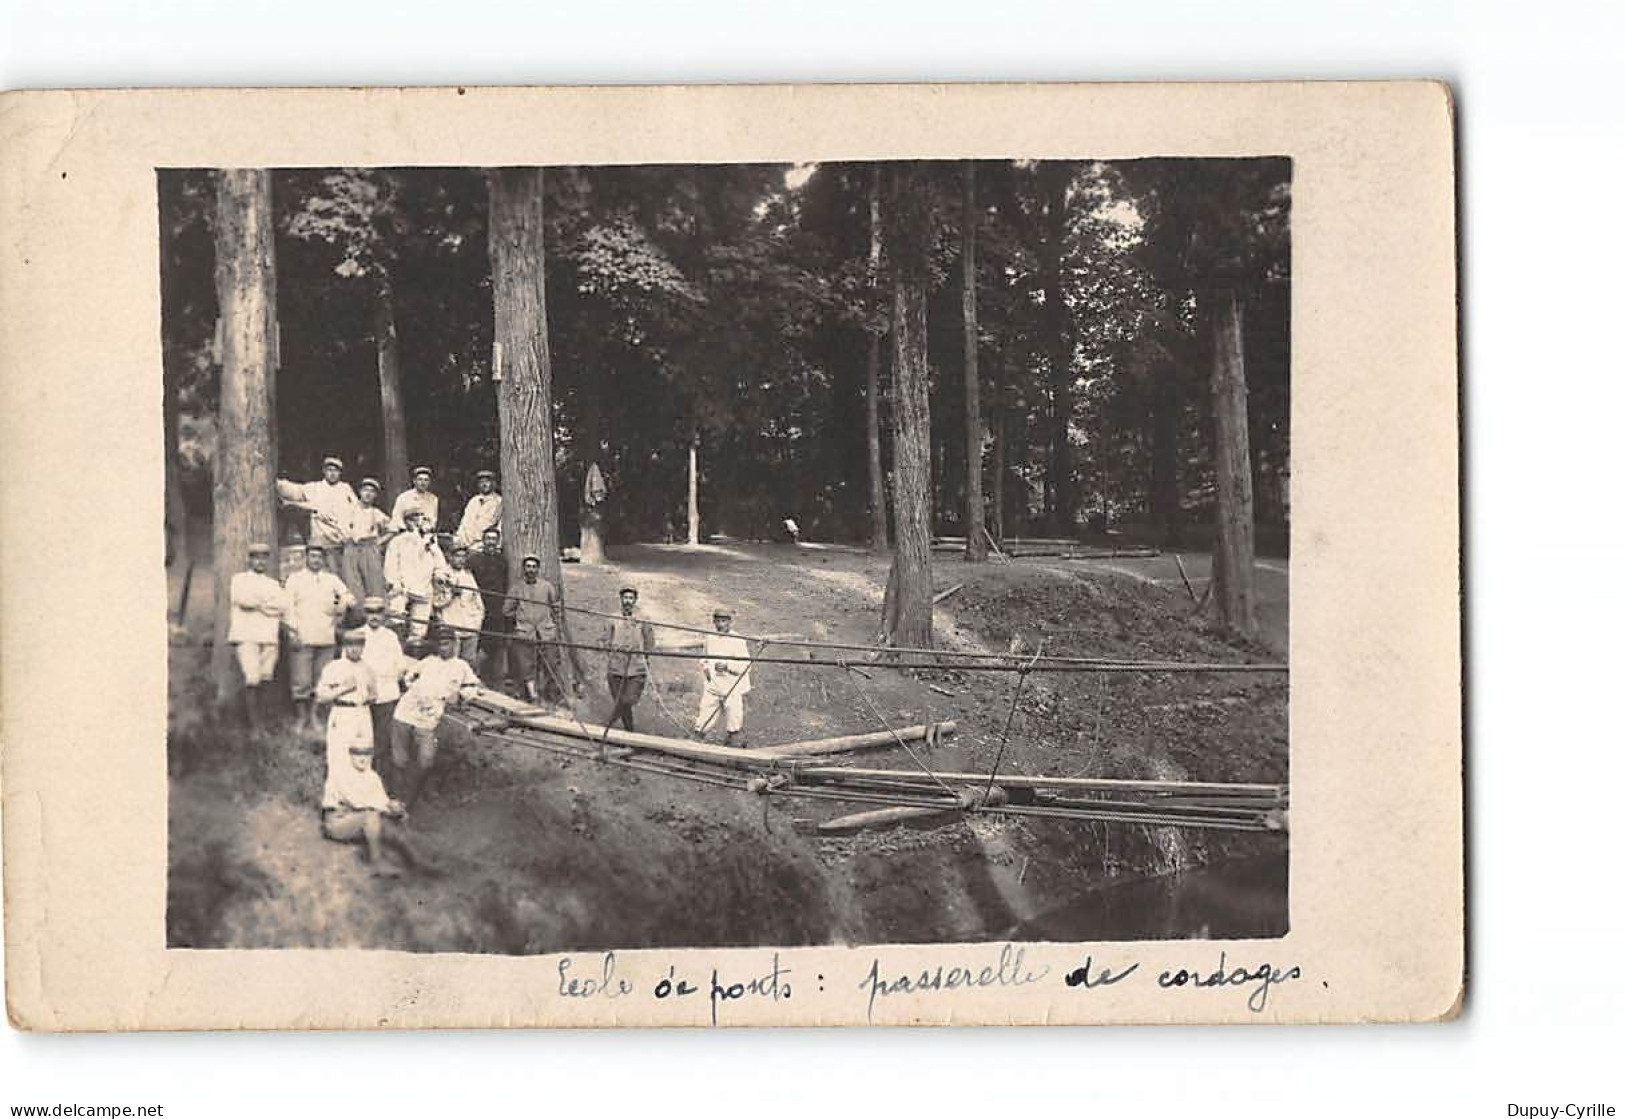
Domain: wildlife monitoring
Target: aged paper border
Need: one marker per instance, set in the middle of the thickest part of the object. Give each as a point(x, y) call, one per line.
point(1376, 850)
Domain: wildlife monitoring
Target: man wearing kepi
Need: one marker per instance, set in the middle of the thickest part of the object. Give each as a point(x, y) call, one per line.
point(332, 505)
point(410, 566)
point(349, 687)
point(538, 617)
point(462, 608)
point(727, 678)
point(317, 599)
point(383, 654)
point(438, 680)
point(363, 570)
point(483, 511)
point(258, 604)
point(418, 499)
point(629, 640)
point(490, 567)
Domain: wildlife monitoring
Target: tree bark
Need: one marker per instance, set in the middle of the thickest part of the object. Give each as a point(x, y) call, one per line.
point(1062, 503)
point(530, 497)
point(590, 443)
point(975, 516)
point(909, 237)
point(245, 454)
point(392, 402)
point(694, 489)
point(879, 537)
point(1000, 454)
point(1233, 593)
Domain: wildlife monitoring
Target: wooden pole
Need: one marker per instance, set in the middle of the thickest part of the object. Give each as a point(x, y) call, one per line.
point(848, 743)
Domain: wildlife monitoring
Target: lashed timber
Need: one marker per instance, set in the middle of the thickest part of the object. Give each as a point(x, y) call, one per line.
point(871, 740)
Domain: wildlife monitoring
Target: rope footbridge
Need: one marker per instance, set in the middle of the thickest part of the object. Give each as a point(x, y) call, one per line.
point(805, 770)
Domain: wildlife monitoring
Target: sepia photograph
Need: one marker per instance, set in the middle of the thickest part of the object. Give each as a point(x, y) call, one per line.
point(686, 555)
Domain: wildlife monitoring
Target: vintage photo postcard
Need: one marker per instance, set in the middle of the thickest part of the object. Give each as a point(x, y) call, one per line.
point(805, 555)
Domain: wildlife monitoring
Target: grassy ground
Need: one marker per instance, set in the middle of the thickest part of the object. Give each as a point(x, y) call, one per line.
point(543, 854)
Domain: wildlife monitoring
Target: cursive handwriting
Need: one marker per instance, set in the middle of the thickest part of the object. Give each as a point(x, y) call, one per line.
point(1010, 971)
point(1080, 977)
point(604, 984)
point(1264, 975)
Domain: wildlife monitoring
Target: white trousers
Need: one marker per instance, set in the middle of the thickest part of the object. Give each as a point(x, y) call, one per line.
point(733, 711)
point(257, 660)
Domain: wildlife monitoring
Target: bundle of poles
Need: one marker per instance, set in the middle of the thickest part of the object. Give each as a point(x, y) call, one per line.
point(893, 796)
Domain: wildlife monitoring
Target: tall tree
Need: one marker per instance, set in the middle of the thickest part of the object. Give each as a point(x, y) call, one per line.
point(245, 455)
point(1233, 590)
point(1055, 177)
point(908, 237)
point(879, 538)
point(975, 520)
point(530, 505)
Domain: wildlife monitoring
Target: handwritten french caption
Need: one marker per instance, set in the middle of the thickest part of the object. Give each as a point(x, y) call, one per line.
point(770, 980)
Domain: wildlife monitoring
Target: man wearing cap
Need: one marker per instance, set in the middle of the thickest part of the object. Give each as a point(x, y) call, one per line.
point(461, 607)
point(538, 618)
point(435, 682)
point(317, 599)
point(629, 640)
point(483, 511)
point(349, 687)
point(363, 569)
point(383, 654)
point(489, 563)
point(417, 498)
point(258, 604)
point(331, 504)
point(410, 565)
point(726, 668)
point(357, 809)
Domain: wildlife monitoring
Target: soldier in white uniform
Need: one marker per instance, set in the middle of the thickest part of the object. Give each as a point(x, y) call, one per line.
point(317, 599)
point(258, 604)
point(462, 608)
point(331, 504)
point(417, 498)
point(410, 566)
point(726, 669)
point(483, 511)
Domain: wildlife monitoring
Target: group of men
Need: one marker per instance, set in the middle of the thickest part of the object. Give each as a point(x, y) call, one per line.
point(395, 574)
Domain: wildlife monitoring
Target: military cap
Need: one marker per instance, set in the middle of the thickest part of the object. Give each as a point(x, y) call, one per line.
point(259, 549)
point(455, 548)
point(629, 590)
point(373, 482)
point(333, 460)
point(315, 548)
point(722, 612)
point(528, 558)
point(491, 474)
point(373, 604)
point(416, 470)
point(354, 637)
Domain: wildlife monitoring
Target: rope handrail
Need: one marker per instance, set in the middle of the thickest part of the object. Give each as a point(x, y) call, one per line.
point(889, 650)
point(1047, 665)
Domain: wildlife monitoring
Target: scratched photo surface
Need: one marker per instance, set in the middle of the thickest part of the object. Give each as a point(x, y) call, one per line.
point(768, 554)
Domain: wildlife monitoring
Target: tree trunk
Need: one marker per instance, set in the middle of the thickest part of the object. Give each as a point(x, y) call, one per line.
point(879, 538)
point(1233, 547)
point(391, 400)
point(975, 517)
point(1062, 503)
point(590, 445)
point(1000, 453)
point(910, 234)
point(245, 454)
point(694, 489)
point(530, 497)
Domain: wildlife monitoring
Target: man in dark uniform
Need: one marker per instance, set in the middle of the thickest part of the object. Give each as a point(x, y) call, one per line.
point(489, 563)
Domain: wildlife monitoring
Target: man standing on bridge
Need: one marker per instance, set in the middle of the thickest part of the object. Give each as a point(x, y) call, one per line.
point(538, 619)
point(629, 640)
point(727, 678)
